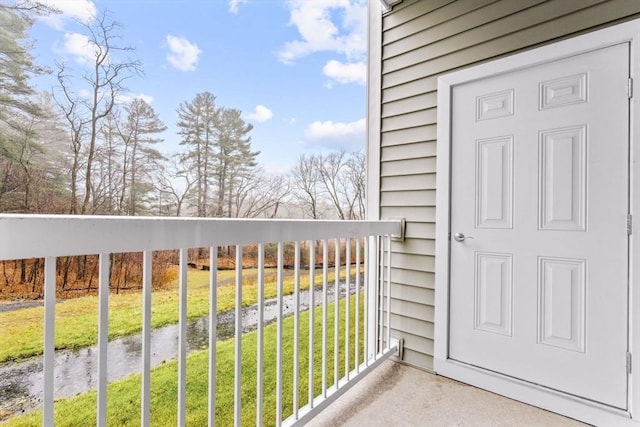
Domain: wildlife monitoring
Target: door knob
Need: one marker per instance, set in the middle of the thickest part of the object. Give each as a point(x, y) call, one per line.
point(459, 237)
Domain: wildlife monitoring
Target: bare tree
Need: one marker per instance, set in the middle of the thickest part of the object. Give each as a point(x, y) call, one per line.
point(343, 178)
point(331, 168)
point(334, 179)
point(306, 182)
point(106, 78)
point(258, 195)
point(355, 190)
point(30, 7)
point(173, 183)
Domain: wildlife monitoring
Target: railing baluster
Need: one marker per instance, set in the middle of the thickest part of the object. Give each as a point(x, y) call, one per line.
point(367, 293)
point(388, 291)
point(296, 327)
point(347, 331)
point(336, 314)
point(182, 339)
point(357, 326)
point(380, 298)
point(312, 280)
point(279, 384)
point(213, 332)
point(237, 387)
point(325, 303)
point(145, 405)
point(260, 367)
point(375, 287)
point(49, 338)
point(103, 338)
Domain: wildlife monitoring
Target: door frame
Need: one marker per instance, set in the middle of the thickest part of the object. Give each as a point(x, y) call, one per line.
point(565, 404)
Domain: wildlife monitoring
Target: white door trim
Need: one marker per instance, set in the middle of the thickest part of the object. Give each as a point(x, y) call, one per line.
point(558, 402)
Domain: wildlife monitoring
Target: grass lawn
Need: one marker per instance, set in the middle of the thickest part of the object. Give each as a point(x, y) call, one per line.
point(124, 395)
point(21, 331)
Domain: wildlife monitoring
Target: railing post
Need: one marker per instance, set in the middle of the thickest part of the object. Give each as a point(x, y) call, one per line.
point(182, 339)
point(49, 339)
point(336, 314)
point(296, 328)
point(103, 338)
point(145, 410)
point(213, 331)
point(325, 303)
point(357, 326)
point(279, 382)
point(237, 401)
point(260, 344)
point(347, 310)
point(312, 277)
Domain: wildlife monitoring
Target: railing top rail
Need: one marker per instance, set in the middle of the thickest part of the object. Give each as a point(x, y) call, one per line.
point(36, 236)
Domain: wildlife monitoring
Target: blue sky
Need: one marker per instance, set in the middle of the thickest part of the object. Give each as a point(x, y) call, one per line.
point(296, 68)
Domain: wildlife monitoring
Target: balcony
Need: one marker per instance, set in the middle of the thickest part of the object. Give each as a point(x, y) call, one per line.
point(399, 395)
point(318, 353)
point(319, 356)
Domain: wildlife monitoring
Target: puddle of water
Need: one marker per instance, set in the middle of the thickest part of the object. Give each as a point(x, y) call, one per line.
point(21, 384)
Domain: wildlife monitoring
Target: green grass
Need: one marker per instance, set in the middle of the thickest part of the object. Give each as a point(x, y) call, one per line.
point(124, 395)
point(21, 331)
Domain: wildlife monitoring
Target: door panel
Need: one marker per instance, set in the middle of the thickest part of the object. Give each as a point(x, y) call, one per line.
point(539, 187)
point(563, 166)
point(495, 183)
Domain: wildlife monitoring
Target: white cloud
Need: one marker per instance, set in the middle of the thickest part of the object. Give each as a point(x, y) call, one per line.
point(260, 115)
point(234, 5)
point(277, 168)
point(321, 29)
point(80, 47)
point(329, 130)
point(183, 54)
point(354, 72)
point(81, 10)
point(84, 93)
point(125, 98)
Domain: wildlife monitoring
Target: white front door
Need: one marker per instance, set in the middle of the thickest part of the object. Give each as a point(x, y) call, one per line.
point(539, 189)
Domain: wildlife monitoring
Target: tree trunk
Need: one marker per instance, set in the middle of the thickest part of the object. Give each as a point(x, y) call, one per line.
point(65, 275)
point(4, 273)
point(23, 271)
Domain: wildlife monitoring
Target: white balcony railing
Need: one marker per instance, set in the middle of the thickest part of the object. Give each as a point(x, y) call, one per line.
point(52, 237)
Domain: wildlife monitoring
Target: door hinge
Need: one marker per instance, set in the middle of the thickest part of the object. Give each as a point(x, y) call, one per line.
point(630, 88)
point(628, 362)
point(629, 224)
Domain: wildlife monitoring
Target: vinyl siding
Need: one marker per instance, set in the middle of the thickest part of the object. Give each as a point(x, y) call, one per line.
point(422, 39)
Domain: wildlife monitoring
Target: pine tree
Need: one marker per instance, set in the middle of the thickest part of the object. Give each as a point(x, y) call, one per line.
point(139, 134)
point(218, 153)
point(235, 159)
point(22, 164)
point(16, 69)
point(198, 127)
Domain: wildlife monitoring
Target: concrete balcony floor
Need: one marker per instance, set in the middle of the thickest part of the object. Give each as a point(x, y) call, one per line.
point(399, 395)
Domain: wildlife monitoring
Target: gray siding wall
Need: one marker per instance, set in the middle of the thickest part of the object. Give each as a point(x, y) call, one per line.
point(422, 39)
